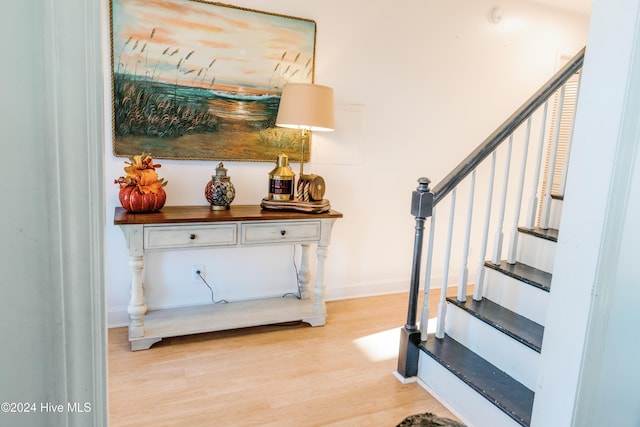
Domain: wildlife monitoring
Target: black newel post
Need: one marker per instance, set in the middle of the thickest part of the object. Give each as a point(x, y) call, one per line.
point(421, 208)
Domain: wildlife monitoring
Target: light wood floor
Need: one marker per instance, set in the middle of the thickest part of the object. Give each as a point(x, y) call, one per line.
point(286, 375)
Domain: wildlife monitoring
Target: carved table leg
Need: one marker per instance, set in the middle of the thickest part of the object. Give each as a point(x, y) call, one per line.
point(304, 275)
point(319, 307)
point(137, 307)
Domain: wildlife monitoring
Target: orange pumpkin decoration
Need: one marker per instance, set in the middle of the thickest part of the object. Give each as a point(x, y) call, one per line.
point(141, 189)
point(135, 201)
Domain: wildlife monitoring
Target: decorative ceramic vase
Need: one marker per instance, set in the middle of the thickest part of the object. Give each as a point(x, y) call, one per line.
point(135, 201)
point(220, 191)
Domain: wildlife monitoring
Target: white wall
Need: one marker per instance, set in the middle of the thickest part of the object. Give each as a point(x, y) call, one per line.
point(590, 348)
point(418, 85)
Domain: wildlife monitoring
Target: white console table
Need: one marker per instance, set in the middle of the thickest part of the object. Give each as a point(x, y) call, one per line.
point(177, 227)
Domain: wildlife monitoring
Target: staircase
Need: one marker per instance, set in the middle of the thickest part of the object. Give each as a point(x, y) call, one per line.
point(482, 361)
point(485, 367)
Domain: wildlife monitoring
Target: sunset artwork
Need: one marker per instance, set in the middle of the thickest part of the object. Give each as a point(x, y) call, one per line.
point(199, 80)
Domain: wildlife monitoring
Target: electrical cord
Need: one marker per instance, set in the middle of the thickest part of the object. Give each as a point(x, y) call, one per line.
point(223, 301)
point(298, 294)
point(295, 268)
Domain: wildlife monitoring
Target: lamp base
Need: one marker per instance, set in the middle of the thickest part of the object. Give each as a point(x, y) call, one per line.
point(296, 205)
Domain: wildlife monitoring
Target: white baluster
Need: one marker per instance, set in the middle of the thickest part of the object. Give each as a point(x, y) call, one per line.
point(546, 203)
point(477, 290)
point(530, 222)
point(424, 314)
point(442, 307)
point(464, 269)
point(497, 248)
point(513, 241)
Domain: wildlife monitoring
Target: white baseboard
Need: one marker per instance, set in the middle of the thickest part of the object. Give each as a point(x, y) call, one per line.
point(404, 380)
point(117, 318)
point(372, 289)
point(363, 290)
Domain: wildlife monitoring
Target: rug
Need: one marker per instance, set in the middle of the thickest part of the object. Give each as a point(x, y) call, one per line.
point(428, 420)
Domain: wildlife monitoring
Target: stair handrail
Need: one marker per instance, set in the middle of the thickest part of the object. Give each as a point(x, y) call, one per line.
point(425, 199)
point(494, 140)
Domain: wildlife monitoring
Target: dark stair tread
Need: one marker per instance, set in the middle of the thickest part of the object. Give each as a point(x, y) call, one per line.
point(495, 385)
point(548, 234)
point(508, 322)
point(525, 273)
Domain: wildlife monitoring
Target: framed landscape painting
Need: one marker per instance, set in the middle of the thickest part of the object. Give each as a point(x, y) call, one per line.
point(199, 80)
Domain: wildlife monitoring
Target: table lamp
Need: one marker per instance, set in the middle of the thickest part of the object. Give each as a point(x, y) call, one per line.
point(307, 107)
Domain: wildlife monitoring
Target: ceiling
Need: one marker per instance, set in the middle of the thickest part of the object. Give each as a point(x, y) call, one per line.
point(581, 6)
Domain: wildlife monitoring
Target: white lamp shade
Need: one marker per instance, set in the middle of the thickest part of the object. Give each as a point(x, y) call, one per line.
point(306, 106)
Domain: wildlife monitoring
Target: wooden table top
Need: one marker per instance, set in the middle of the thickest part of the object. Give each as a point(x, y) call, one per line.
point(182, 214)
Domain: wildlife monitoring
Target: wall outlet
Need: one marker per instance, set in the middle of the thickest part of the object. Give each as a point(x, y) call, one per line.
point(195, 278)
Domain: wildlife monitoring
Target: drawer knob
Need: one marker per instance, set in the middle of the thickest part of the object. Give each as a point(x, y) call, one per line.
point(192, 236)
point(283, 232)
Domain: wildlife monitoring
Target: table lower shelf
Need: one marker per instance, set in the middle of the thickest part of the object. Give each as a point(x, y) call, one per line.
point(165, 323)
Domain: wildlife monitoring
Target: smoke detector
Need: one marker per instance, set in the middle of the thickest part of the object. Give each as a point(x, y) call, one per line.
point(495, 15)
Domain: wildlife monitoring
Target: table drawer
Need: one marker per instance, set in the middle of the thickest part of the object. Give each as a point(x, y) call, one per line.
point(163, 237)
point(281, 232)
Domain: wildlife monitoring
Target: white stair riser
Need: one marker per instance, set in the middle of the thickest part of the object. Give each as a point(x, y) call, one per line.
point(472, 408)
point(536, 252)
point(517, 296)
point(517, 360)
point(556, 212)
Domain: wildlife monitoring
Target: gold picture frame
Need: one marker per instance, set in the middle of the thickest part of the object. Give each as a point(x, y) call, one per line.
point(199, 80)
